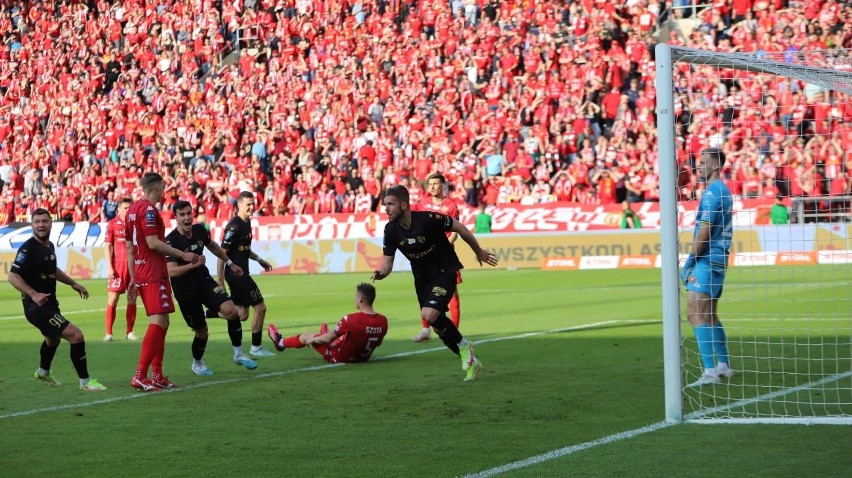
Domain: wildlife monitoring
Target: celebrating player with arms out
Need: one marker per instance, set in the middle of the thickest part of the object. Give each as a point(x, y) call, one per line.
point(119, 276)
point(195, 289)
point(352, 340)
point(420, 236)
point(244, 291)
point(437, 201)
point(34, 273)
point(704, 270)
point(147, 251)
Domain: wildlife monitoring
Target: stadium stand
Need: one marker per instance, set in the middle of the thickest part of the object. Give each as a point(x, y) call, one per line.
point(318, 105)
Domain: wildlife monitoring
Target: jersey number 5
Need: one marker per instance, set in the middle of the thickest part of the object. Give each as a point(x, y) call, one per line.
point(370, 345)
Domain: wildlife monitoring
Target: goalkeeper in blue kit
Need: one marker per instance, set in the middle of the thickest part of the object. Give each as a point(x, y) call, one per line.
point(703, 273)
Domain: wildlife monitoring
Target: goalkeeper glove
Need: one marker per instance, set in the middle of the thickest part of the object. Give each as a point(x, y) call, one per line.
point(687, 269)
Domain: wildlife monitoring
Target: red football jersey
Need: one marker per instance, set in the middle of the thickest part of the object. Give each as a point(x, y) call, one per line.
point(144, 220)
point(115, 235)
point(358, 334)
point(448, 207)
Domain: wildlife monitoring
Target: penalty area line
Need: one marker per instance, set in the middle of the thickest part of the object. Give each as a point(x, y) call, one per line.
point(568, 450)
point(263, 375)
point(691, 418)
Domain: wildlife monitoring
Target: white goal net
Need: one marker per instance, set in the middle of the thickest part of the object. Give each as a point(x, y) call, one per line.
point(784, 124)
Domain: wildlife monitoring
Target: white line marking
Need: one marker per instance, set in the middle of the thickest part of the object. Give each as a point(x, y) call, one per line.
point(696, 417)
point(691, 418)
point(70, 312)
point(89, 311)
point(534, 460)
point(136, 395)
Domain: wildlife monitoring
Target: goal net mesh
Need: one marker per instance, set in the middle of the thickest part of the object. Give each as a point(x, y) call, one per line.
point(784, 122)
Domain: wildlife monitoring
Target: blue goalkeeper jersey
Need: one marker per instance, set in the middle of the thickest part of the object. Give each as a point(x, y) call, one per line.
point(715, 210)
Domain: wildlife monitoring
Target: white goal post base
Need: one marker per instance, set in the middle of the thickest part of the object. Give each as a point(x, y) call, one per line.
point(771, 421)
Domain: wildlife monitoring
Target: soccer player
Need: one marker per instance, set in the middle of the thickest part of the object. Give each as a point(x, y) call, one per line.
point(352, 340)
point(703, 272)
point(244, 291)
point(437, 201)
point(194, 288)
point(116, 256)
point(149, 277)
point(34, 273)
point(420, 236)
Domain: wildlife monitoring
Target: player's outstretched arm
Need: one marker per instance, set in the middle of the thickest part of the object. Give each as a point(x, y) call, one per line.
point(266, 265)
point(61, 276)
point(217, 251)
point(155, 244)
point(326, 338)
point(384, 269)
point(109, 252)
point(482, 255)
point(19, 283)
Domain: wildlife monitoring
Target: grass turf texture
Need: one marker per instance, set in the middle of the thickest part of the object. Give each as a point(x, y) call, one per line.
point(408, 413)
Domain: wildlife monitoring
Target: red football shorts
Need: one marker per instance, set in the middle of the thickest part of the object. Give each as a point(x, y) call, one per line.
point(122, 278)
point(157, 297)
point(330, 353)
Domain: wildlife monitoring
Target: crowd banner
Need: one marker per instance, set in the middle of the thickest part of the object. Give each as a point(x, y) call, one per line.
point(506, 218)
point(627, 249)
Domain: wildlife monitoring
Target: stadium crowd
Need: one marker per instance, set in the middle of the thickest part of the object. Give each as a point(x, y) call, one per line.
point(317, 106)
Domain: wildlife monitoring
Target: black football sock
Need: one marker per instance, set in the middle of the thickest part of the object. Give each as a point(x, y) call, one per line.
point(47, 353)
point(448, 333)
point(78, 358)
point(198, 347)
point(256, 339)
point(235, 332)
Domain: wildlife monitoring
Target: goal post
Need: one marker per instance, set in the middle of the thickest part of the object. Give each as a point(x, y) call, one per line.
point(787, 302)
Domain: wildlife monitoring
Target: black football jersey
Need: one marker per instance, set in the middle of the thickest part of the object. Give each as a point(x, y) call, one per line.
point(36, 264)
point(237, 241)
point(424, 244)
point(195, 244)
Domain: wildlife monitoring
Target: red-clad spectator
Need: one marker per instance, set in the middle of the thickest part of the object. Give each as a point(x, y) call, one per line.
point(129, 100)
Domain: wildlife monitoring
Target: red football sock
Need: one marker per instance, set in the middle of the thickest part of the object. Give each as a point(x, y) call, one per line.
point(424, 324)
point(149, 347)
point(130, 315)
point(157, 362)
point(110, 318)
point(455, 310)
point(293, 342)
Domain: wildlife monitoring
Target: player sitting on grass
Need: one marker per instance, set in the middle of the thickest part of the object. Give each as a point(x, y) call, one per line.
point(353, 340)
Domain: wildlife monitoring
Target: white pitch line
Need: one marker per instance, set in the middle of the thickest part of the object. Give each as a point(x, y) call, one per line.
point(84, 311)
point(696, 417)
point(691, 418)
point(137, 395)
point(568, 450)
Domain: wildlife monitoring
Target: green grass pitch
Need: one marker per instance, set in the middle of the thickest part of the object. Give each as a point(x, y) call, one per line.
point(570, 359)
